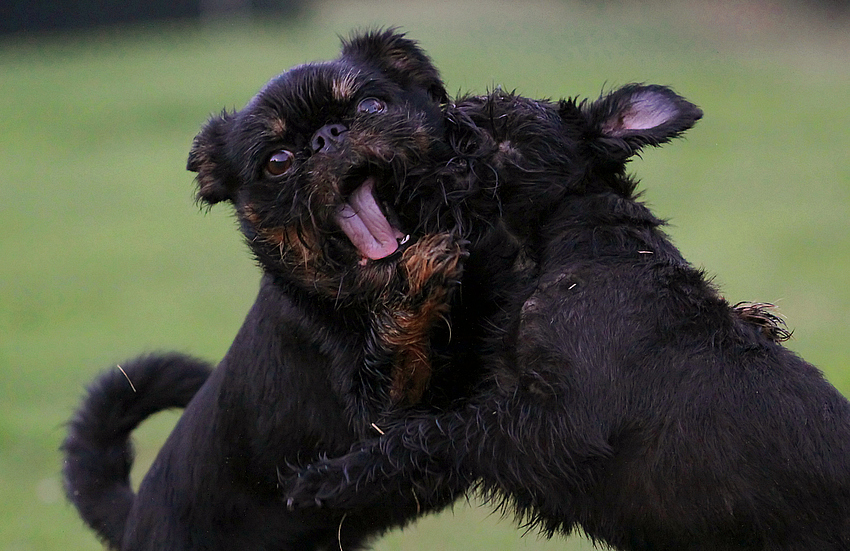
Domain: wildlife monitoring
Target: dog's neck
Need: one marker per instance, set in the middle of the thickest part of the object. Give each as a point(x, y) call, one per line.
point(604, 224)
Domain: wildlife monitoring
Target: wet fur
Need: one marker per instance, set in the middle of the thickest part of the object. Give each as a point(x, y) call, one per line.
point(624, 396)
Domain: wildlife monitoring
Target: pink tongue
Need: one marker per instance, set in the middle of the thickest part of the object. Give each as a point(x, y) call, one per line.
point(366, 226)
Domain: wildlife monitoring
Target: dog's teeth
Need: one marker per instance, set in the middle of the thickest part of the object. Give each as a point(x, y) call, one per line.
point(404, 239)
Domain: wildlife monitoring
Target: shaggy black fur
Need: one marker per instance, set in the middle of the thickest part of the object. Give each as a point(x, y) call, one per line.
point(338, 172)
point(624, 397)
point(98, 453)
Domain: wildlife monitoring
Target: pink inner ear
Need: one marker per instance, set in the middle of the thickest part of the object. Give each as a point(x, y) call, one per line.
point(647, 110)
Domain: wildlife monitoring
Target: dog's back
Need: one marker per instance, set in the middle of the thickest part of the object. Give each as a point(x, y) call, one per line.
point(712, 434)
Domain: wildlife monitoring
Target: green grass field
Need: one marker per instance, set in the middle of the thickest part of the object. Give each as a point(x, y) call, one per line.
point(105, 255)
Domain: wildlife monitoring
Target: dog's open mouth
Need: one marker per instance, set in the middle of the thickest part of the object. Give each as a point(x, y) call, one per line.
point(365, 224)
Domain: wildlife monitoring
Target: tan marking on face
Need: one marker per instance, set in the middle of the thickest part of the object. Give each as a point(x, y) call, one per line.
point(249, 214)
point(294, 247)
point(422, 139)
point(278, 126)
point(343, 87)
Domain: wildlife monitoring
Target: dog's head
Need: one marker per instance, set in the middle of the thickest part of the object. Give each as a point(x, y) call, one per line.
point(315, 162)
point(543, 153)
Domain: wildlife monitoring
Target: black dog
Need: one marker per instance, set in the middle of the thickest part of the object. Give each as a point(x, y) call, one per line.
point(625, 396)
point(337, 171)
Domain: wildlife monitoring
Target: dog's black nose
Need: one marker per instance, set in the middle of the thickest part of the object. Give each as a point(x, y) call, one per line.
point(327, 138)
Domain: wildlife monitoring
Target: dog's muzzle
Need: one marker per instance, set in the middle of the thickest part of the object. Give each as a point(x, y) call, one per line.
point(361, 218)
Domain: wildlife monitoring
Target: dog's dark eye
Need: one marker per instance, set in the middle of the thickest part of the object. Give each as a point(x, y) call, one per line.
point(371, 105)
point(279, 162)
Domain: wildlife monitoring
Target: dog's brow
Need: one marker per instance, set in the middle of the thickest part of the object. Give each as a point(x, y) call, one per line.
point(343, 86)
point(278, 126)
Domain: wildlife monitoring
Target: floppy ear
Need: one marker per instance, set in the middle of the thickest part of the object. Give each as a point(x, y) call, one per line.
point(399, 57)
point(637, 115)
point(208, 158)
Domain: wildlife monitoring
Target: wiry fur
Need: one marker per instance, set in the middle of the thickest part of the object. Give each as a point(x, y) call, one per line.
point(334, 340)
point(624, 395)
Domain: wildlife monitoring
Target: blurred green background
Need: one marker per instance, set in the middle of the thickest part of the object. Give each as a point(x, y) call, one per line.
point(103, 253)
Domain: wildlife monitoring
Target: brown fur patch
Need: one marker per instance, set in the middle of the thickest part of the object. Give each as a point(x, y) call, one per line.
point(412, 369)
point(247, 211)
point(759, 313)
point(431, 266)
point(278, 126)
point(432, 259)
point(344, 87)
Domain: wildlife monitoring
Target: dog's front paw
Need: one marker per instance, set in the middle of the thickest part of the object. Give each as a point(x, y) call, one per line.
point(302, 489)
point(342, 483)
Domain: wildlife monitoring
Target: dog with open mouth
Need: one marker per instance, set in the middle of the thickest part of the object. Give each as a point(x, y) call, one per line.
point(338, 171)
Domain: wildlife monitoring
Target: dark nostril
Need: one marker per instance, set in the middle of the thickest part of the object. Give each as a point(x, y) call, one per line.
point(328, 138)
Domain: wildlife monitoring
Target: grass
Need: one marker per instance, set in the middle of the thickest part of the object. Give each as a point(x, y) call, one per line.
point(105, 254)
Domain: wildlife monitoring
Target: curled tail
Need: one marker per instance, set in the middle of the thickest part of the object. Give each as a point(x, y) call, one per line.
point(98, 451)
